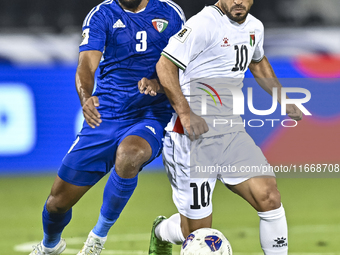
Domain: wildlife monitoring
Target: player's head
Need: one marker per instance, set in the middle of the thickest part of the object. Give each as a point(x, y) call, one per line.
point(130, 4)
point(236, 10)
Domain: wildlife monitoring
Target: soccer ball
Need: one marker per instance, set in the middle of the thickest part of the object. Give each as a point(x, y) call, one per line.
point(206, 241)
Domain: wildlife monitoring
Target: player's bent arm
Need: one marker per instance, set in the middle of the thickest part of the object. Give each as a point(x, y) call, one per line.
point(168, 75)
point(266, 78)
point(87, 66)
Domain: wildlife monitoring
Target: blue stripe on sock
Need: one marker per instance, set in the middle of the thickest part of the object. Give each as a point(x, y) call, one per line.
point(103, 226)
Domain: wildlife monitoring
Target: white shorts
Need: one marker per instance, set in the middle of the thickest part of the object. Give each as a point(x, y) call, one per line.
point(194, 166)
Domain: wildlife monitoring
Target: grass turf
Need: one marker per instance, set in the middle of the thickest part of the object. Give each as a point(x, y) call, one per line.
point(312, 209)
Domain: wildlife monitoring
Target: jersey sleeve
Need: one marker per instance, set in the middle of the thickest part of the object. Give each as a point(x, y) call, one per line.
point(94, 31)
point(188, 43)
point(259, 51)
point(180, 21)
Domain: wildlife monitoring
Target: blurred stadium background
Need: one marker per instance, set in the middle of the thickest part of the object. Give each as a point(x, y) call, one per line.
point(40, 115)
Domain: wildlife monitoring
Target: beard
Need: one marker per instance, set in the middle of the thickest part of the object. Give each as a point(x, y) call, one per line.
point(237, 17)
point(130, 4)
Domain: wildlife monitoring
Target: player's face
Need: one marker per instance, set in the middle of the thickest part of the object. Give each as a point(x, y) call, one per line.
point(130, 4)
point(236, 10)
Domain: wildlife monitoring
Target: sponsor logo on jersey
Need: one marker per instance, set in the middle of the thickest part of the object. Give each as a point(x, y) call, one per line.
point(225, 42)
point(152, 129)
point(160, 24)
point(252, 38)
point(85, 36)
point(119, 24)
point(183, 34)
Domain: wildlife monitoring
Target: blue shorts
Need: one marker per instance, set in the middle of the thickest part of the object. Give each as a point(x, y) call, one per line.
point(93, 153)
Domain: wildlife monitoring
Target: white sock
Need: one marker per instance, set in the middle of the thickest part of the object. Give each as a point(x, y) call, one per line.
point(169, 230)
point(273, 232)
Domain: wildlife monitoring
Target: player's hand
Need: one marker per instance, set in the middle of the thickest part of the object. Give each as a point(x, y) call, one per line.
point(91, 114)
point(294, 112)
point(194, 125)
point(148, 87)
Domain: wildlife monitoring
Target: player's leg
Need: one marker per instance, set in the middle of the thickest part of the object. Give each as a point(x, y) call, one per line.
point(192, 196)
point(140, 144)
point(88, 152)
point(57, 212)
point(263, 195)
point(190, 225)
point(177, 227)
point(131, 154)
point(261, 192)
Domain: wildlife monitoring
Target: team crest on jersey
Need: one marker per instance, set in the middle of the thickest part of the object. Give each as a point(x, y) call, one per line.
point(160, 24)
point(252, 38)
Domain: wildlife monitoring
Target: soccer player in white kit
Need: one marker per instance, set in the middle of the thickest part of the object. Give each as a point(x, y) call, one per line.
point(219, 43)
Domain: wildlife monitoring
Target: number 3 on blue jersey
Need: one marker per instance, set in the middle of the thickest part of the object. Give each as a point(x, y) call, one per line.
point(142, 36)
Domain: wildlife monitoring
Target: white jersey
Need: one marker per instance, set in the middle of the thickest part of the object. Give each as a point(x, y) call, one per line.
point(213, 54)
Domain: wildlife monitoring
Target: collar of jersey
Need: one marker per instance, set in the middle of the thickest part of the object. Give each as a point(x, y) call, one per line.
point(218, 9)
point(135, 12)
point(237, 24)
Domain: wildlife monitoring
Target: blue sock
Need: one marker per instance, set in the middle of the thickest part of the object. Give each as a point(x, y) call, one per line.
point(103, 226)
point(53, 225)
point(117, 193)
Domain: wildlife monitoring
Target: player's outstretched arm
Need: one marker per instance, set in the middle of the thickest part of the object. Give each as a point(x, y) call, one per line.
point(168, 76)
point(87, 66)
point(266, 78)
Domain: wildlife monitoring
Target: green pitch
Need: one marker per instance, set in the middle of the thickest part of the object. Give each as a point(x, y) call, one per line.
point(312, 209)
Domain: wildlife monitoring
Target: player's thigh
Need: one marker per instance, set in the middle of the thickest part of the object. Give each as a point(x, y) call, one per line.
point(260, 192)
point(94, 150)
point(192, 196)
point(144, 136)
point(252, 180)
point(132, 152)
point(243, 159)
point(64, 195)
point(89, 159)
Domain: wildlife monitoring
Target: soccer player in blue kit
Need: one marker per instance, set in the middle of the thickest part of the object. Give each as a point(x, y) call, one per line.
point(123, 129)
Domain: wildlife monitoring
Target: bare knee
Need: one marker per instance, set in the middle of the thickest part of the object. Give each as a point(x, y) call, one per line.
point(131, 155)
point(268, 198)
point(55, 204)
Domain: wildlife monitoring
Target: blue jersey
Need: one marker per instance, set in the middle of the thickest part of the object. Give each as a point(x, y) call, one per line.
point(131, 44)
